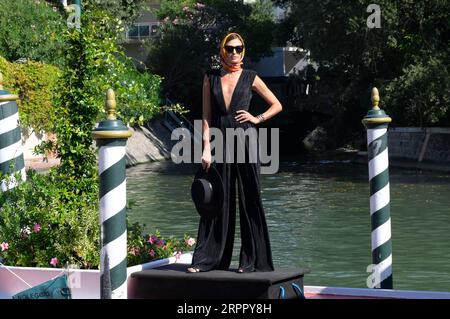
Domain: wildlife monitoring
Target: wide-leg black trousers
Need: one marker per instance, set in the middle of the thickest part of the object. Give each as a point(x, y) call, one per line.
point(216, 236)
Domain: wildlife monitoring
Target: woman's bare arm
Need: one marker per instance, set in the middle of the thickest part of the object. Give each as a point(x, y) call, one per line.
point(275, 106)
point(206, 117)
point(206, 121)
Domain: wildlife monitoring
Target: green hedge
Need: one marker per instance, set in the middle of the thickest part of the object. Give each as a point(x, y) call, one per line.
point(35, 84)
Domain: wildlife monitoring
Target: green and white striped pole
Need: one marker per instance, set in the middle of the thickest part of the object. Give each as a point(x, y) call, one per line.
point(12, 164)
point(376, 122)
point(111, 136)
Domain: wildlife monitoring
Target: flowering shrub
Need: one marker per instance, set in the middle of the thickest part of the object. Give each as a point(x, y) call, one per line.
point(31, 30)
point(50, 221)
point(47, 222)
point(143, 247)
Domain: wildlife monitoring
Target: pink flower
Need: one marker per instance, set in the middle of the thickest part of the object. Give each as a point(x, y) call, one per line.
point(151, 253)
point(185, 8)
point(190, 242)
point(4, 246)
point(160, 243)
point(135, 251)
point(37, 228)
point(54, 261)
point(153, 239)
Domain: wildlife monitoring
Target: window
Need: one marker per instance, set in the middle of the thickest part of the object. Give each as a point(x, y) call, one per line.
point(141, 31)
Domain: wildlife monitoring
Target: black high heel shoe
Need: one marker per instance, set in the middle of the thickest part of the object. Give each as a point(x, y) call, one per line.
point(193, 270)
point(242, 270)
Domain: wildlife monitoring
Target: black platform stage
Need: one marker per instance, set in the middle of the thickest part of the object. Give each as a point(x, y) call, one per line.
point(173, 282)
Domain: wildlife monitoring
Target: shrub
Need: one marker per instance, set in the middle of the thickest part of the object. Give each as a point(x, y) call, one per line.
point(35, 84)
point(144, 247)
point(137, 95)
point(49, 222)
point(31, 29)
point(46, 218)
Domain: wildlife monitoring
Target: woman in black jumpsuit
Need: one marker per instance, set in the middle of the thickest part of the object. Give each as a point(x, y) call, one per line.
point(216, 236)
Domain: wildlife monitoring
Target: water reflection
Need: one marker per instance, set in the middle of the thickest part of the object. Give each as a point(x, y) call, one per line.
point(318, 217)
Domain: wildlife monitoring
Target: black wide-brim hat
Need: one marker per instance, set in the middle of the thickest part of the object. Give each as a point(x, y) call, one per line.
point(207, 192)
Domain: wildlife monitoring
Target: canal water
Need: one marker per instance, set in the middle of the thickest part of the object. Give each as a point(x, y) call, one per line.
point(318, 218)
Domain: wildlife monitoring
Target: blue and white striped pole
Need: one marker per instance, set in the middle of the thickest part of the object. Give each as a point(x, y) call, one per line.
point(376, 122)
point(12, 165)
point(111, 136)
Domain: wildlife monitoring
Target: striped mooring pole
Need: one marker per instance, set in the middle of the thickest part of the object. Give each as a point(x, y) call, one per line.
point(376, 122)
point(111, 136)
point(12, 165)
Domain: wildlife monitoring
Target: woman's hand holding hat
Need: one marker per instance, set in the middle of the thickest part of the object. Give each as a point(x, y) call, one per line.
point(206, 158)
point(207, 192)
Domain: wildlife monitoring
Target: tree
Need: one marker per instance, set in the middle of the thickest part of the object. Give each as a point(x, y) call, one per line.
point(94, 63)
point(126, 10)
point(31, 30)
point(407, 57)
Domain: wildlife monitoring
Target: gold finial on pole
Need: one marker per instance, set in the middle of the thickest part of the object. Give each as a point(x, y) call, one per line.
point(1, 81)
point(110, 105)
point(111, 128)
point(375, 99)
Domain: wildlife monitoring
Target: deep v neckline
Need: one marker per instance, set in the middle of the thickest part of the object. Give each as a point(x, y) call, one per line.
point(232, 94)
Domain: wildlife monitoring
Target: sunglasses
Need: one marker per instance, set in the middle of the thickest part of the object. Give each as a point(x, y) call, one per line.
point(230, 48)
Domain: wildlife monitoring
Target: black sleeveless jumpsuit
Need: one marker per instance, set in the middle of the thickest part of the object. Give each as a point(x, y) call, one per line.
point(216, 236)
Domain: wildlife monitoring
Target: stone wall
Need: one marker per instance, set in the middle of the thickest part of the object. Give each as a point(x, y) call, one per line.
point(148, 143)
point(438, 148)
point(422, 145)
point(406, 143)
point(414, 147)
